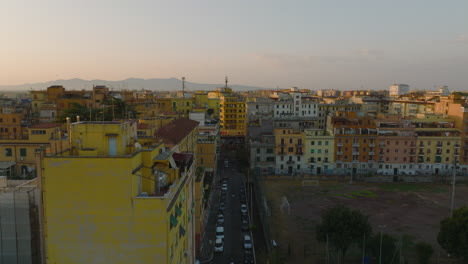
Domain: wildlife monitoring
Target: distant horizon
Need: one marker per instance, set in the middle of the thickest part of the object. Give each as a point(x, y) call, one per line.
point(23, 87)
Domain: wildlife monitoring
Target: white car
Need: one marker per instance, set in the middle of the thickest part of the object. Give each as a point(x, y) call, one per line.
point(243, 208)
point(224, 187)
point(220, 218)
point(219, 246)
point(220, 232)
point(247, 242)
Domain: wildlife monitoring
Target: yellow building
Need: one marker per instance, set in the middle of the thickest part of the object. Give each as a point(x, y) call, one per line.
point(110, 200)
point(17, 157)
point(233, 115)
point(182, 106)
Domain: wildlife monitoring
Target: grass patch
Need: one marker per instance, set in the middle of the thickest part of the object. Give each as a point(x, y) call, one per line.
point(401, 187)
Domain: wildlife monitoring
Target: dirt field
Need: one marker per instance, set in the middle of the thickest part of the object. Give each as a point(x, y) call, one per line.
point(412, 211)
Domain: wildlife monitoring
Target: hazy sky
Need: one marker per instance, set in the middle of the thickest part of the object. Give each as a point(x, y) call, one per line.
point(311, 44)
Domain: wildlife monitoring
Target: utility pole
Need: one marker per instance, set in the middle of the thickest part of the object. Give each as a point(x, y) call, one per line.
point(454, 172)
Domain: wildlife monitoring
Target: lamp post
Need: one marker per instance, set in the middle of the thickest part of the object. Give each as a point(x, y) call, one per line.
point(380, 254)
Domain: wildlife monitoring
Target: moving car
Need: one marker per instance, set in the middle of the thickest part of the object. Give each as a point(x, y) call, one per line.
point(247, 242)
point(248, 257)
point(219, 245)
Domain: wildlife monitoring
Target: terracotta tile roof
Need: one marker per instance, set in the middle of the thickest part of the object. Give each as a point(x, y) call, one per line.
point(143, 126)
point(174, 132)
point(44, 125)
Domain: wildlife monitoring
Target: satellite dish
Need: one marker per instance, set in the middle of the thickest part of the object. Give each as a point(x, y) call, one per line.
point(137, 145)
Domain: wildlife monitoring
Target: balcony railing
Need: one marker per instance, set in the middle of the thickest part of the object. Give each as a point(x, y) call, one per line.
point(412, 153)
point(355, 153)
point(339, 153)
point(290, 162)
point(299, 153)
point(421, 146)
point(339, 144)
point(370, 161)
point(371, 153)
point(457, 146)
point(372, 145)
point(356, 144)
point(439, 145)
point(355, 161)
point(281, 153)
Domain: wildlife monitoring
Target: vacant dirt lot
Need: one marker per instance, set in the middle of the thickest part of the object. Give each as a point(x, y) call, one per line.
point(412, 211)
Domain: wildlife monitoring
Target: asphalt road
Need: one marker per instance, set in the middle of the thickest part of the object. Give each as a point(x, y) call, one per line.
point(233, 235)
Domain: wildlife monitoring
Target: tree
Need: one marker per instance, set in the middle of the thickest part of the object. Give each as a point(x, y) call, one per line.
point(453, 233)
point(343, 226)
point(424, 252)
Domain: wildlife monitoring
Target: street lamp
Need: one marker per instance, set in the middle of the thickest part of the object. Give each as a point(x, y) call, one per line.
point(380, 254)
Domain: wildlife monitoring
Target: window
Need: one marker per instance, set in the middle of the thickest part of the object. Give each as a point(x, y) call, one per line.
point(319, 143)
point(298, 158)
point(312, 151)
point(326, 143)
point(269, 151)
point(282, 158)
point(312, 143)
point(258, 158)
point(290, 140)
point(290, 149)
point(319, 151)
point(258, 151)
point(8, 152)
point(282, 167)
point(22, 152)
point(271, 159)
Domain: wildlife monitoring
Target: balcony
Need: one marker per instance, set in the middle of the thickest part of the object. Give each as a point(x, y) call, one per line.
point(457, 146)
point(299, 145)
point(281, 153)
point(372, 145)
point(456, 154)
point(412, 146)
point(381, 161)
point(299, 153)
point(356, 144)
point(339, 153)
point(290, 162)
point(355, 153)
point(439, 145)
point(370, 161)
point(339, 144)
point(412, 153)
point(421, 146)
point(339, 161)
point(421, 154)
point(371, 153)
point(355, 161)
point(381, 144)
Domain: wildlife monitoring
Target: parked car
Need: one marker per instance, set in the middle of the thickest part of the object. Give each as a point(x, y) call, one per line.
point(220, 218)
point(224, 187)
point(247, 242)
point(220, 232)
point(226, 163)
point(245, 226)
point(219, 245)
point(248, 257)
point(243, 208)
point(222, 207)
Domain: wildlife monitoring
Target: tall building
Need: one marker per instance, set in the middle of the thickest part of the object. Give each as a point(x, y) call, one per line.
point(109, 199)
point(399, 89)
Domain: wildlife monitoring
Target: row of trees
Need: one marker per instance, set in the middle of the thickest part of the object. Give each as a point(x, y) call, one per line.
point(341, 227)
point(113, 109)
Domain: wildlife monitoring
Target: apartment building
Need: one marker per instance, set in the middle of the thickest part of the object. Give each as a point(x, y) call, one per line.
point(262, 154)
point(147, 216)
point(290, 151)
point(319, 151)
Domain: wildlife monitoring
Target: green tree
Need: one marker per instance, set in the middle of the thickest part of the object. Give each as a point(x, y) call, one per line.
point(343, 227)
point(424, 252)
point(453, 233)
point(388, 247)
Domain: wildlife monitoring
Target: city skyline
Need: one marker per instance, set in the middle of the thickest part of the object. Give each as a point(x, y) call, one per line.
point(312, 45)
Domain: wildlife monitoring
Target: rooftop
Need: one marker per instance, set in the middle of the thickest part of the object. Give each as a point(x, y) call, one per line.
point(177, 130)
point(45, 125)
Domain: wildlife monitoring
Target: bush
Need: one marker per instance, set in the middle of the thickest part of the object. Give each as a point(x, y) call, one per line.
point(424, 252)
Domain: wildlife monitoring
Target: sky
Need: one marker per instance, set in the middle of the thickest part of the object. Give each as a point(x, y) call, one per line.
point(312, 44)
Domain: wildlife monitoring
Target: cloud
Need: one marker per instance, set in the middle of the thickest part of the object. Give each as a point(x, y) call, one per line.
point(462, 38)
point(374, 54)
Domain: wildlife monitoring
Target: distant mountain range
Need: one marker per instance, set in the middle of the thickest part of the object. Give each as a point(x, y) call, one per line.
point(171, 84)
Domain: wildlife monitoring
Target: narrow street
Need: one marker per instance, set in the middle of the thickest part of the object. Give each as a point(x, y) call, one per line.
point(233, 250)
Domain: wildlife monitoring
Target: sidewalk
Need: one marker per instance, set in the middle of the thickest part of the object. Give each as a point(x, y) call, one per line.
point(207, 244)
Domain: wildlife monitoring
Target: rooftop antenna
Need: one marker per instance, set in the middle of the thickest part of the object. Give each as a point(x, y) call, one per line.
point(183, 87)
point(226, 81)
